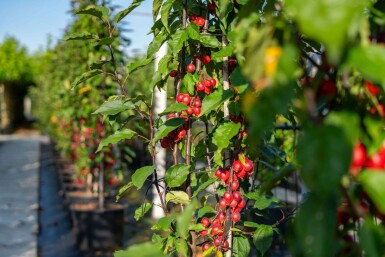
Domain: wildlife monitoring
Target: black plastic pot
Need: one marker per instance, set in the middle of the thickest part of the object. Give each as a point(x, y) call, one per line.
point(98, 229)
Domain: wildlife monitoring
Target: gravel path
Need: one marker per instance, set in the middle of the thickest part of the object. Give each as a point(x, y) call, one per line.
point(19, 169)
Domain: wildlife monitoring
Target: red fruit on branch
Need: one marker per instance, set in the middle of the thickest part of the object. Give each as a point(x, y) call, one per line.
point(215, 231)
point(242, 204)
point(218, 172)
point(200, 87)
point(190, 68)
point(207, 90)
point(203, 232)
point(200, 21)
point(173, 73)
point(221, 216)
point(192, 17)
point(197, 102)
point(225, 246)
point(373, 90)
point(235, 216)
point(222, 204)
point(206, 59)
point(237, 166)
point(186, 99)
point(205, 222)
point(205, 246)
point(225, 175)
point(228, 196)
point(237, 196)
point(359, 156)
point(248, 166)
point(377, 161)
point(197, 111)
point(233, 204)
point(213, 82)
point(190, 111)
point(217, 241)
point(327, 88)
point(179, 97)
point(207, 83)
point(234, 185)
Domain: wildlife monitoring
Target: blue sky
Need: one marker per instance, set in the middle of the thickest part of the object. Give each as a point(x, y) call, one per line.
point(30, 21)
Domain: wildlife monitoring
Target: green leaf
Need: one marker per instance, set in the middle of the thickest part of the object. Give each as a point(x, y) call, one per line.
point(332, 23)
point(164, 63)
point(215, 100)
point(372, 239)
point(173, 108)
point(142, 210)
point(163, 223)
point(80, 36)
point(224, 133)
point(225, 51)
point(113, 107)
point(239, 81)
point(177, 40)
point(106, 41)
point(85, 76)
point(140, 175)
point(96, 11)
point(189, 82)
point(156, 5)
point(165, 13)
point(348, 121)
point(262, 201)
point(167, 127)
point(203, 186)
point(197, 227)
point(97, 65)
point(184, 220)
point(144, 61)
point(123, 190)
point(177, 197)
point(210, 41)
point(222, 138)
point(181, 247)
point(120, 15)
point(156, 44)
point(251, 224)
point(176, 175)
point(373, 184)
point(262, 238)
point(314, 228)
point(193, 31)
point(223, 11)
point(324, 154)
point(368, 60)
point(241, 246)
point(204, 210)
point(147, 249)
point(119, 135)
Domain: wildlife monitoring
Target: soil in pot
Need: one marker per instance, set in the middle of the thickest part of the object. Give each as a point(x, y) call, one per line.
point(98, 229)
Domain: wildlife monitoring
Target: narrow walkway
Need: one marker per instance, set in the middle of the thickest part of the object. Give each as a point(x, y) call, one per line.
point(19, 168)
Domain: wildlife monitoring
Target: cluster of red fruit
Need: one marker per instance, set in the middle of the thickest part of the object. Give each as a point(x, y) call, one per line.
point(231, 199)
point(206, 86)
point(174, 136)
point(193, 103)
point(361, 159)
point(200, 21)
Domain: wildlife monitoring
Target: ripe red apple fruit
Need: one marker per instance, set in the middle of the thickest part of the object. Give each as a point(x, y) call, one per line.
point(179, 97)
point(200, 21)
point(205, 246)
point(359, 156)
point(206, 59)
point(173, 73)
point(228, 196)
point(200, 87)
point(235, 216)
point(237, 166)
point(205, 222)
point(186, 99)
point(190, 68)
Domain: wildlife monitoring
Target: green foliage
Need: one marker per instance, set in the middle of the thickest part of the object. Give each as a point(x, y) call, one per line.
point(16, 66)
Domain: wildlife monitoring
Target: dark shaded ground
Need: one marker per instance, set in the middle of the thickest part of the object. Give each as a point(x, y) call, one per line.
point(55, 235)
